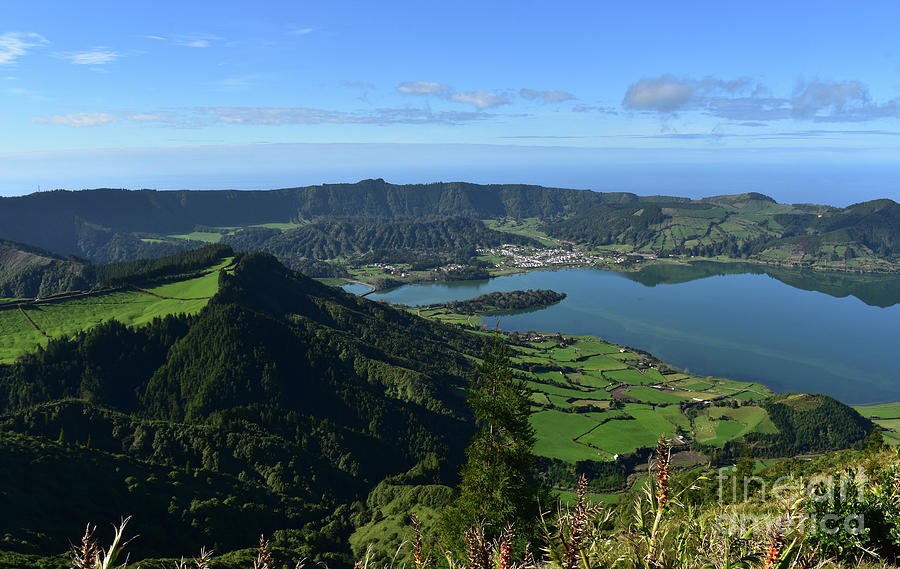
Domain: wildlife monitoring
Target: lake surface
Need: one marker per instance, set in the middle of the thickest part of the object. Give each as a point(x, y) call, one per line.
point(812, 335)
point(356, 288)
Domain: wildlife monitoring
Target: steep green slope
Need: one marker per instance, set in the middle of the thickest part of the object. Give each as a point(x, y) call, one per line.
point(290, 399)
point(114, 225)
point(346, 238)
point(105, 225)
point(861, 236)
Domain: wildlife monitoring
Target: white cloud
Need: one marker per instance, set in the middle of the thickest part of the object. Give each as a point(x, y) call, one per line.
point(152, 37)
point(668, 93)
point(273, 116)
point(845, 101)
point(78, 120)
point(15, 44)
point(199, 41)
point(146, 117)
point(423, 88)
point(743, 100)
point(547, 96)
point(356, 85)
point(96, 56)
point(303, 31)
point(480, 99)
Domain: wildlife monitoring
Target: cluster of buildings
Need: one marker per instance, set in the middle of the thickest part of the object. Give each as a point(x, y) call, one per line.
point(530, 258)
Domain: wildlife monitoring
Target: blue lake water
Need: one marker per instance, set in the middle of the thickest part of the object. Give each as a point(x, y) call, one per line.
point(356, 288)
point(744, 326)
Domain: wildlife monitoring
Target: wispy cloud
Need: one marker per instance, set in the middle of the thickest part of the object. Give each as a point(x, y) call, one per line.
point(302, 31)
point(78, 120)
point(845, 101)
point(423, 88)
point(668, 93)
point(268, 116)
point(96, 56)
point(356, 85)
point(480, 99)
point(15, 44)
point(304, 115)
point(199, 41)
point(152, 37)
point(744, 100)
point(548, 97)
point(594, 109)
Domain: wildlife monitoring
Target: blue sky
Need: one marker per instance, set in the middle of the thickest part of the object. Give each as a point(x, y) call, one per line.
point(796, 99)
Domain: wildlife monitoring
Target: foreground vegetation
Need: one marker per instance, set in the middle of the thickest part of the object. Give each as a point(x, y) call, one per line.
point(839, 510)
point(323, 420)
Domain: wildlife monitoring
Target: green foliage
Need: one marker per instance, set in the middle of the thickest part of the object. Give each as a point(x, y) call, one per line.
point(288, 398)
point(332, 238)
point(501, 301)
point(495, 489)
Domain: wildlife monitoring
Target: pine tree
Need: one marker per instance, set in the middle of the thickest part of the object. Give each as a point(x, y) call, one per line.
point(496, 488)
point(875, 442)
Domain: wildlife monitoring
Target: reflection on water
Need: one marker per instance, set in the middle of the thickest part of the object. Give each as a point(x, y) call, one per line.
point(874, 290)
point(734, 320)
point(357, 288)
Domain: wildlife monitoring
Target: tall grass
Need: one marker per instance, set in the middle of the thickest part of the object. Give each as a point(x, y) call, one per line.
point(663, 531)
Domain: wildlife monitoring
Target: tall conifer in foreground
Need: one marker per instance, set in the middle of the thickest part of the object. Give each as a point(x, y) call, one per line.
point(496, 489)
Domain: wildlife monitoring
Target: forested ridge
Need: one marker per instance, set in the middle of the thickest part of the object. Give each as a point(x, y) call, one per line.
point(374, 216)
point(290, 399)
point(500, 301)
point(53, 275)
point(331, 238)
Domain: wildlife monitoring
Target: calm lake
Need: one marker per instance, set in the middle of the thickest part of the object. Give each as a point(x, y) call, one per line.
point(791, 330)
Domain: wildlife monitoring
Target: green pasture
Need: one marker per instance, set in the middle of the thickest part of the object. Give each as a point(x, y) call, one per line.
point(650, 395)
point(205, 236)
point(600, 363)
point(890, 411)
point(556, 433)
point(630, 376)
point(17, 336)
point(199, 287)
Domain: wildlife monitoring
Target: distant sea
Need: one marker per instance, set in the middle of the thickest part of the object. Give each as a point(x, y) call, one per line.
point(836, 177)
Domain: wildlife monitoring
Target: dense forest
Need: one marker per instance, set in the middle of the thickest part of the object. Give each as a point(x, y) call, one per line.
point(284, 400)
point(377, 218)
point(501, 301)
point(97, 224)
point(328, 239)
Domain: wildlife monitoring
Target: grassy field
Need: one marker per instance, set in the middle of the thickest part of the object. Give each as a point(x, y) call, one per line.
point(17, 336)
point(205, 236)
point(131, 307)
point(529, 227)
point(886, 416)
point(592, 402)
point(204, 287)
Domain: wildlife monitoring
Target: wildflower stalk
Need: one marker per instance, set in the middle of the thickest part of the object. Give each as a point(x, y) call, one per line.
point(263, 559)
point(505, 561)
point(420, 561)
point(578, 522)
point(663, 457)
point(773, 552)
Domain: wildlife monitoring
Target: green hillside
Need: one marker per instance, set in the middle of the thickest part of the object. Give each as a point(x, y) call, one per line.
point(298, 397)
point(333, 221)
point(321, 419)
